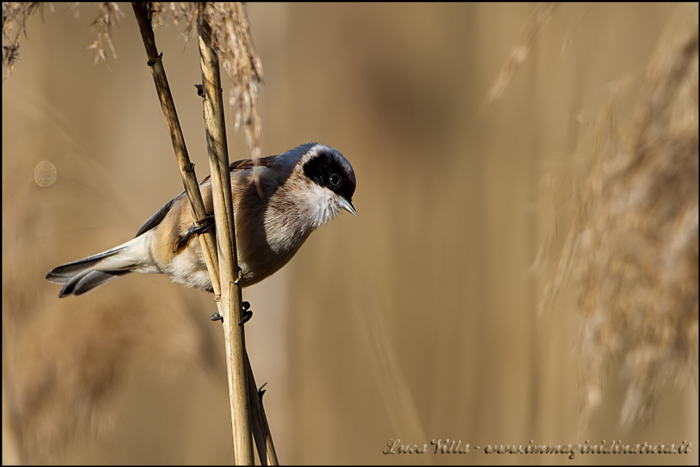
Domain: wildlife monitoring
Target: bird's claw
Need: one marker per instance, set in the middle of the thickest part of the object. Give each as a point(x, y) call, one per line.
point(197, 228)
point(261, 391)
point(246, 314)
point(246, 317)
point(203, 225)
point(216, 316)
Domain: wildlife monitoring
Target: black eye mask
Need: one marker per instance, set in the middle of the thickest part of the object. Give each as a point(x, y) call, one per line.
point(333, 172)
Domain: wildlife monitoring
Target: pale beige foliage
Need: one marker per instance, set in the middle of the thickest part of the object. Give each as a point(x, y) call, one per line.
point(540, 14)
point(232, 40)
point(231, 34)
point(108, 16)
point(634, 246)
point(14, 24)
point(237, 55)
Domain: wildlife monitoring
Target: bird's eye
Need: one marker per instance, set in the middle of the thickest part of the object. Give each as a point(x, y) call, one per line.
point(335, 179)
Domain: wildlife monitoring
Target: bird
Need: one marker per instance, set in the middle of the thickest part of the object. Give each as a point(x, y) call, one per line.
point(298, 191)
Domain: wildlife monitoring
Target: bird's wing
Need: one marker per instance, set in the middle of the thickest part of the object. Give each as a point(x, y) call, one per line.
point(156, 218)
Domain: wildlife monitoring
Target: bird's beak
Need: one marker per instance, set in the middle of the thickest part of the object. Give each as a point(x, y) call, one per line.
point(347, 205)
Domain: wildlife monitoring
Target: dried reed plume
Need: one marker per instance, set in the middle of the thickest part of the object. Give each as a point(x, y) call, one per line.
point(541, 13)
point(231, 39)
point(14, 23)
point(107, 17)
point(231, 36)
point(64, 361)
point(634, 243)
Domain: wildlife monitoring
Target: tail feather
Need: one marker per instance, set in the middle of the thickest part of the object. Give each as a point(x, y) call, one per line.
point(85, 274)
point(67, 272)
point(88, 280)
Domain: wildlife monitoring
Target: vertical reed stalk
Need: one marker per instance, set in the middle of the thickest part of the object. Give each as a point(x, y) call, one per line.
point(189, 179)
point(225, 233)
point(261, 430)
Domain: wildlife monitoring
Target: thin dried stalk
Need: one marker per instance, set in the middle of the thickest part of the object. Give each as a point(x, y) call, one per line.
point(231, 38)
point(189, 179)
point(144, 16)
point(231, 298)
point(261, 430)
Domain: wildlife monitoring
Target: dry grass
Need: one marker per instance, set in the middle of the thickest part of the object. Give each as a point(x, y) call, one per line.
point(474, 377)
point(108, 16)
point(634, 245)
point(231, 37)
point(540, 14)
point(60, 389)
point(64, 361)
point(14, 24)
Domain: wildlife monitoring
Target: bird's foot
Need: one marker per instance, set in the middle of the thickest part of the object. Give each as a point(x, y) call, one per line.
point(247, 313)
point(216, 316)
point(261, 391)
point(197, 228)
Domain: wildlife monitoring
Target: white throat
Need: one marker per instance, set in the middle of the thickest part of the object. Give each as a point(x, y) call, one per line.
point(321, 205)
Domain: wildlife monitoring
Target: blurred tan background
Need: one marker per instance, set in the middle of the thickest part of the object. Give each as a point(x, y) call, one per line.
point(416, 320)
